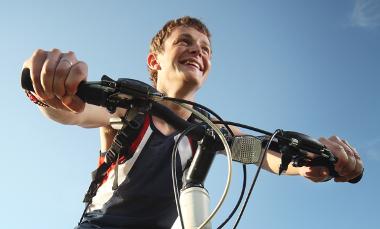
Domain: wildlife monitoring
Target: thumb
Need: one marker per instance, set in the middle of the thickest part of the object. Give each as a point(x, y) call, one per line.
point(73, 103)
point(316, 174)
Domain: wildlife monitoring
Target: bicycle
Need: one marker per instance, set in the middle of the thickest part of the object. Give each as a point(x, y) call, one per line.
point(193, 201)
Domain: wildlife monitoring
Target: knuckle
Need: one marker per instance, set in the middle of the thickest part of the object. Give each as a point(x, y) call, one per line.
point(37, 56)
point(38, 52)
point(56, 51)
point(70, 53)
point(79, 69)
point(334, 138)
point(351, 154)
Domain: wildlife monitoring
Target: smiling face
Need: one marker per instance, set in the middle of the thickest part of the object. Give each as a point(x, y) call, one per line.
point(184, 62)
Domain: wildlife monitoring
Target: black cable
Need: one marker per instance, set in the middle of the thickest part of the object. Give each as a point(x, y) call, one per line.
point(245, 127)
point(261, 160)
point(239, 200)
point(244, 171)
point(201, 107)
point(255, 178)
point(226, 125)
point(220, 121)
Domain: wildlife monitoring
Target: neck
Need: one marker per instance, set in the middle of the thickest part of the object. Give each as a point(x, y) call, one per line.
point(164, 127)
point(182, 93)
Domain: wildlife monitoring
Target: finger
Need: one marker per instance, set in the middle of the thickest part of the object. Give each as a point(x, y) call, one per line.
point(349, 167)
point(338, 151)
point(353, 150)
point(56, 104)
point(358, 169)
point(78, 73)
point(36, 62)
point(341, 142)
point(316, 174)
point(73, 103)
point(62, 71)
point(48, 71)
point(358, 161)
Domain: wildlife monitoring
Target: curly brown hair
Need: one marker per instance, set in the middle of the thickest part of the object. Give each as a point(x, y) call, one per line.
point(157, 43)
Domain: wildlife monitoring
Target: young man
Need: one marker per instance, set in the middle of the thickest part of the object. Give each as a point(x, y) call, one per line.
point(179, 62)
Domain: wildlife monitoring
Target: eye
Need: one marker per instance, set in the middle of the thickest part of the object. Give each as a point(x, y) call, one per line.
point(183, 41)
point(206, 50)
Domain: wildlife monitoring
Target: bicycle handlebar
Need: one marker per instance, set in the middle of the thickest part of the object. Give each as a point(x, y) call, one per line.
point(294, 147)
point(100, 93)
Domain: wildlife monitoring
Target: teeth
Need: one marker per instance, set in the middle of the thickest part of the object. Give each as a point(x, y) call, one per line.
point(193, 63)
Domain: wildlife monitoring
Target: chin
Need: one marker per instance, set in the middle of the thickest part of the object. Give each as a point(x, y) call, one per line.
point(194, 80)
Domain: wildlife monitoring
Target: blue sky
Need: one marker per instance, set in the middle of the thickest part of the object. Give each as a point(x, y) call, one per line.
point(310, 66)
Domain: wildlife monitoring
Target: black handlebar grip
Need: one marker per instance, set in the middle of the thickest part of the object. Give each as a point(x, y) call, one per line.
point(94, 93)
point(26, 81)
point(89, 92)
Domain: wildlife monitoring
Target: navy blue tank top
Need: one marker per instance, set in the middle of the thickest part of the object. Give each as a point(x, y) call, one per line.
point(144, 198)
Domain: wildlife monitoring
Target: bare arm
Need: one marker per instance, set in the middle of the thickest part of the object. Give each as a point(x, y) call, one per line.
point(272, 159)
point(92, 116)
point(349, 165)
point(55, 77)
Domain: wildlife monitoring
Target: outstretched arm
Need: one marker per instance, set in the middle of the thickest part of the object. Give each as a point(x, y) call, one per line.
point(349, 165)
point(55, 77)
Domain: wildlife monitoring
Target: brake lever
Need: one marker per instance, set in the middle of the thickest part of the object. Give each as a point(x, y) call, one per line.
point(121, 93)
point(302, 150)
point(136, 89)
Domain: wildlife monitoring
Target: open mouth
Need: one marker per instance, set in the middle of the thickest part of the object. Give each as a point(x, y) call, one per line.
point(192, 63)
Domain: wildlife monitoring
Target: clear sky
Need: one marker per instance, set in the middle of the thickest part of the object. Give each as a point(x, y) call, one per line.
point(309, 66)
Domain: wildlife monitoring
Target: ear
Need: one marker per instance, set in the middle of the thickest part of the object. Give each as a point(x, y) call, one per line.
point(152, 62)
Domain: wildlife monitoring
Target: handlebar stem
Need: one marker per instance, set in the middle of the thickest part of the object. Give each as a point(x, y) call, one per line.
point(202, 160)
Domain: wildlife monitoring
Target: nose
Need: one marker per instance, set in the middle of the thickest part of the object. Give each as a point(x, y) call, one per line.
point(196, 49)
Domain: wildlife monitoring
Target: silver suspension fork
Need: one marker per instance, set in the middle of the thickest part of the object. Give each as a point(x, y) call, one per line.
point(195, 205)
